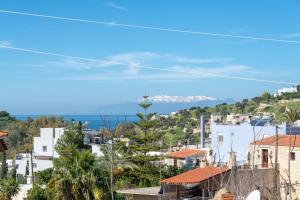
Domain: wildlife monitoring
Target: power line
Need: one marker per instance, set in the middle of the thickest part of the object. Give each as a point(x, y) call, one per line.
point(148, 67)
point(152, 27)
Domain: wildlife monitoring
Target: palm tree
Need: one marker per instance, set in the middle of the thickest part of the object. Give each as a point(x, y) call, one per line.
point(75, 173)
point(8, 188)
point(76, 177)
point(291, 115)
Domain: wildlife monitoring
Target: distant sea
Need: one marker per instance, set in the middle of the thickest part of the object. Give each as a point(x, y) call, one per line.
point(94, 122)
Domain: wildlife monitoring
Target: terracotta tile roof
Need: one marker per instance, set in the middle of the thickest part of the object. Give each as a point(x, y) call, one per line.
point(186, 153)
point(195, 176)
point(283, 140)
point(3, 134)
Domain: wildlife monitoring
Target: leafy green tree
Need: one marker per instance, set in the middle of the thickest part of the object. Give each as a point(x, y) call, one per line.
point(145, 137)
point(43, 177)
point(115, 161)
point(37, 193)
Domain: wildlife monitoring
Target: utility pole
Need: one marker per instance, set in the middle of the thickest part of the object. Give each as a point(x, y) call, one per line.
point(275, 176)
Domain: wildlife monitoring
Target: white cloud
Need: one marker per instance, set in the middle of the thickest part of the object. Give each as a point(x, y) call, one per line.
point(5, 43)
point(149, 66)
point(115, 6)
point(199, 61)
point(212, 72)
point(177, 99)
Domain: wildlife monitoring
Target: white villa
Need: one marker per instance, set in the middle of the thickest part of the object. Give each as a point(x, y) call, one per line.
point(44, 147)
point(285, 90)
point(42, 155)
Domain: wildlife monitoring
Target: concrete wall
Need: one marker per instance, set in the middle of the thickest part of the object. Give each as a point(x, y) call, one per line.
point(237, 136)
point(243, 181)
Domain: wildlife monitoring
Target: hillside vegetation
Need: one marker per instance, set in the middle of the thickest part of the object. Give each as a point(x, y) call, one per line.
point(184, 125)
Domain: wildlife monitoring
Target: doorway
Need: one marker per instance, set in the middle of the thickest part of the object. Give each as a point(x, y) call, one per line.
point(265, 158)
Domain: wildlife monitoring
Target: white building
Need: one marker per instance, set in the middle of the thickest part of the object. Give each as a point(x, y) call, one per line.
point(44, 148)
point(236, 137)
point(285, 90)
point(96, 150)
point(43, 152)
point(23, 160)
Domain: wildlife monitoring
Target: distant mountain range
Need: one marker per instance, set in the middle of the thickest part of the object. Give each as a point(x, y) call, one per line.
point(164, 104)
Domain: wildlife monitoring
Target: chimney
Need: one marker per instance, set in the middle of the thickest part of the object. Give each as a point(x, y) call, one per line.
point(231, 160)
point(202, 132)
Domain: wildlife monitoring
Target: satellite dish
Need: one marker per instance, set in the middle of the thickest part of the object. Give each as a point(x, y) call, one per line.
point(254, 195)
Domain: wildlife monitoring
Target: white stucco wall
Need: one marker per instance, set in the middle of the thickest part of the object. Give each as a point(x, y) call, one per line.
point(42, 165)
point(48, 138)
point(242, 136)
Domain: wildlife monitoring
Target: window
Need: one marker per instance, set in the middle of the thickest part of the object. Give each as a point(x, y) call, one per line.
point(175, 163)
point(220, 137)
point(34, 165)
point(44, 148)
point(293, 156)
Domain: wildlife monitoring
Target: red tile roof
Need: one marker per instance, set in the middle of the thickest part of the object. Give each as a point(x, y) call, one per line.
point(3, 134)
point(186, 153)
point(283, 140)
point(195, 176)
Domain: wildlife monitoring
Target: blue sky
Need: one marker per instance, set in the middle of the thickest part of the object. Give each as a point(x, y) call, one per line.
point(35, 83)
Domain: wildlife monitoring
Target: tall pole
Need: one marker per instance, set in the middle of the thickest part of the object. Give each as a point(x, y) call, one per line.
point(275, 181)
